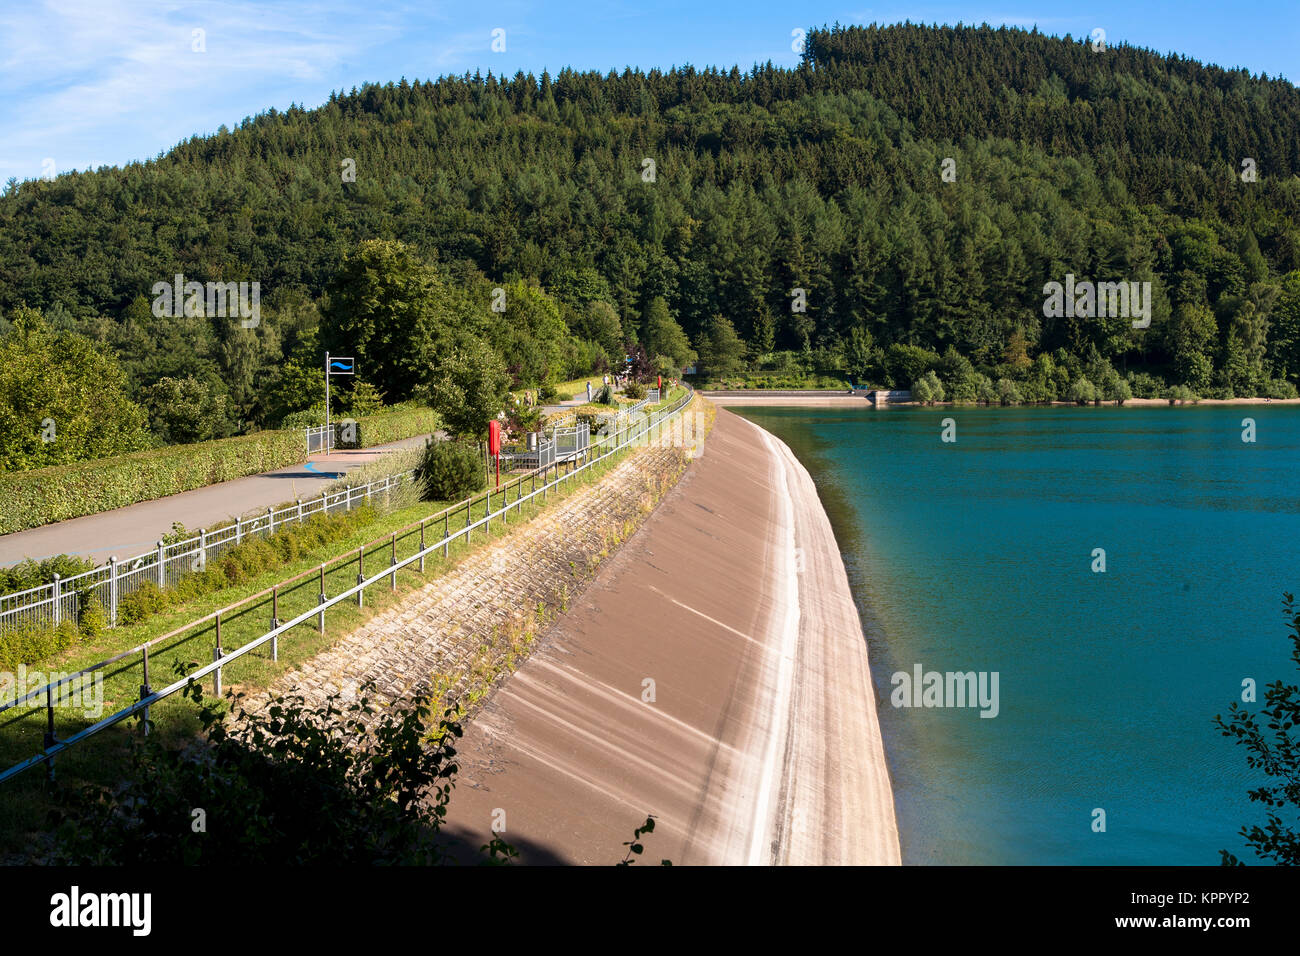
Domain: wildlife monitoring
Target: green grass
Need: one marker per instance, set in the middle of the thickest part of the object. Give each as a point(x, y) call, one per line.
point(25, 800)
point(46, 495)
point(670, 395)
point(573, 386)
point(778, 380)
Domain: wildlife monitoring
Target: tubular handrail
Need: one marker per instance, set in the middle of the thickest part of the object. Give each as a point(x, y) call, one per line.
point(56, 747)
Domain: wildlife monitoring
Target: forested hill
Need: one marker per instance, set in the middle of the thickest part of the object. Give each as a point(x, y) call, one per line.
point(1166, 125)
point(1121, 165)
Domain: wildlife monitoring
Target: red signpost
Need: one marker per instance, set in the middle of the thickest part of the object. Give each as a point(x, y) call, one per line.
point(494, 445)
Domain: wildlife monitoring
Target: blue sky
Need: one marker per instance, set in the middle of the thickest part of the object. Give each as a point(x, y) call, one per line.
point(90, 82)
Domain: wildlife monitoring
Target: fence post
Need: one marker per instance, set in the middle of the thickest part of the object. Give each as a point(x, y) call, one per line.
point(49, 730)
point(112, 590)
point(203, 549)
point(446, 535)
point(239, 530)
point(487, 512)
point(393, 563)
point(56, 600)
point(270, 520)
point(299, 500)
point(321, 623)
point(422, 520)
point(145, 690)
point(162, 565)
point(348, 489)
point(361, 575)
point(216, 656)
point(469, 519)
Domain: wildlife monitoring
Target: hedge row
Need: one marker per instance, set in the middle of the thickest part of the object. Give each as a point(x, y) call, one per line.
point(29, 499)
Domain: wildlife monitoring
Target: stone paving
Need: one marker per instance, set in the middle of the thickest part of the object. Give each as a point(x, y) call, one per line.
point(470, 625)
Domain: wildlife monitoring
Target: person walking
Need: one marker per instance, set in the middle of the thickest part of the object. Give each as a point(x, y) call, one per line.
point(588, 391)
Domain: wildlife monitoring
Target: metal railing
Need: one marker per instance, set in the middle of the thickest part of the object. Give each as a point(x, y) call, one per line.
point(571, 440)
point(320, 439)
point(48, 605)
point(643, 428)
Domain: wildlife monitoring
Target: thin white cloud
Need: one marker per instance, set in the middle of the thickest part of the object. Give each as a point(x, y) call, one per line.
point(86, 76)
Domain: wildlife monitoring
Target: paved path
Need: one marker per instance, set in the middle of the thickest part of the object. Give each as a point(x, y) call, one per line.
point(127, 532)
point(715, 675)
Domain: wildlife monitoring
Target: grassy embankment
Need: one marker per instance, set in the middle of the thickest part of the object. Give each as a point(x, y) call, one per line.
point(190, 639)
point(593, 409)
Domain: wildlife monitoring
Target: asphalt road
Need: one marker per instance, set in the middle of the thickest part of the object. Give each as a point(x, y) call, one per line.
point(127, 532)
point(714, 675)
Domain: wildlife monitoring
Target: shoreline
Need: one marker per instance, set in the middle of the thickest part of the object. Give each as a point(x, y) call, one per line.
point(841, 401)
point(757, 741)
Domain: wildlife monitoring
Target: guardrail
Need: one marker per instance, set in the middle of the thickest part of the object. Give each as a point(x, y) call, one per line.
point(598, 451)
point(562, 444)
point(320, 439)
point(50, 604)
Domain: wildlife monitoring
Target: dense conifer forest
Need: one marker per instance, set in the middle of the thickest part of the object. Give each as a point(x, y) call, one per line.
point(920, 185)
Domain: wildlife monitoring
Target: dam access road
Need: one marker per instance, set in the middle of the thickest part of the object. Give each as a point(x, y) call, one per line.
point(714, 675)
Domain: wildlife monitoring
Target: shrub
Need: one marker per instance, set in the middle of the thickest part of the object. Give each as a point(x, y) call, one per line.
point(548, 395)
point(634, 390)
point(1081, 391)
point(145, 600)
point(450, 471)
point(307, 418)
point(1008, 394)
point(1181, 393)
point(604, 395)
point(1145, 385)
point(30, 643)
point(92, 617)
point(589, 415)
point(376, 798)
point(31, 574)
point(235, 565)
point(45, 495)
point(1113, 388)
point(907, 363)
point(1278, 388)
point(927, 389)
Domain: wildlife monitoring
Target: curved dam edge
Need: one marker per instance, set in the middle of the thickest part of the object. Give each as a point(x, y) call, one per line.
point(714, 674)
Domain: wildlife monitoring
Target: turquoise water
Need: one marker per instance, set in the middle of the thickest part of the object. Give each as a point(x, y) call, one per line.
point(977, 556)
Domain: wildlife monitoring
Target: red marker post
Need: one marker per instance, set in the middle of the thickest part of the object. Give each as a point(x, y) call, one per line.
point(494, 446)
